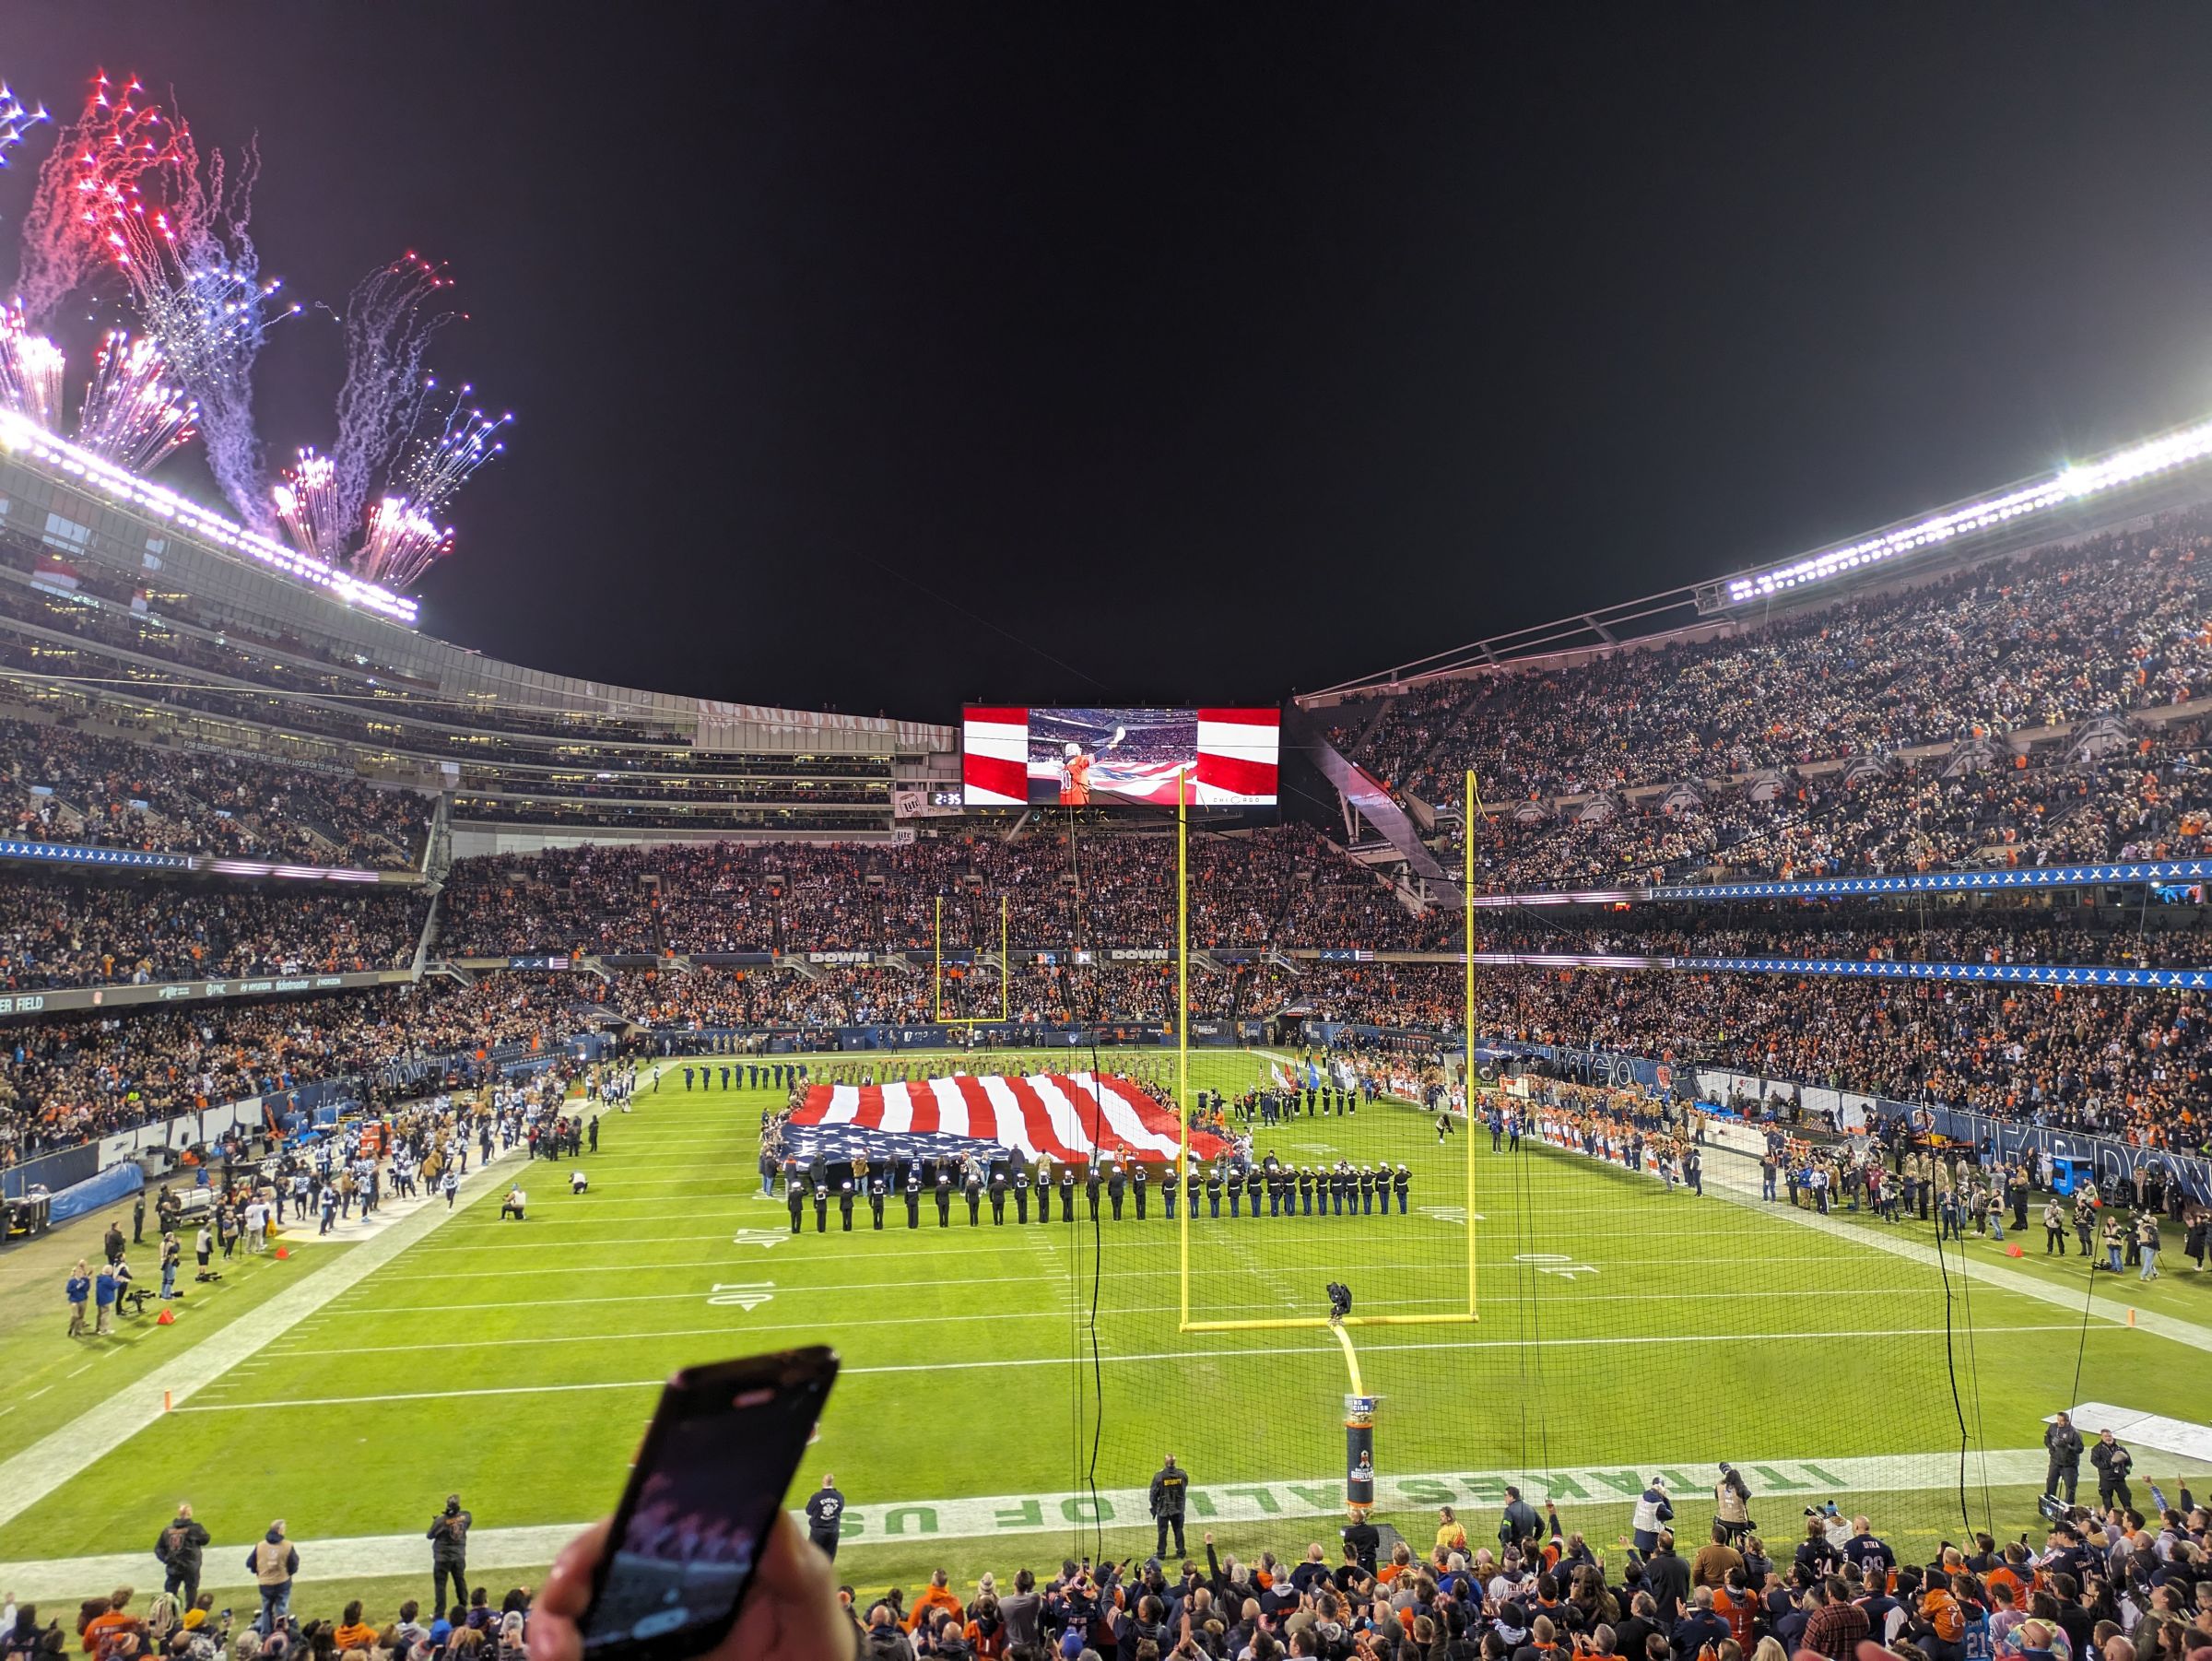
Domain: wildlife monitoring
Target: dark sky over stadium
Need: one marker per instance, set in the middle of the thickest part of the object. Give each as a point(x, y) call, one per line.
point(881, 357)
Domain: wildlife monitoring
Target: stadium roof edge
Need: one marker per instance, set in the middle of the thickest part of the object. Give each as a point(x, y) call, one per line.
point(2169, 471)
point(133, 527)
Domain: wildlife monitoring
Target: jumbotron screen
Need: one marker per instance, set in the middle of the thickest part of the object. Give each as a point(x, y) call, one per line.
point(1020, 758)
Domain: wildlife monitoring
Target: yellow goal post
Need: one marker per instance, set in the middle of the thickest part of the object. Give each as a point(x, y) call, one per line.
point(936, 975)
point(1456, 1318)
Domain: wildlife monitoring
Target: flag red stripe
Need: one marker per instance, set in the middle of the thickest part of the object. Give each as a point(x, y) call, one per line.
point(998, 776)
point(870, 1113)
point(925, 1098)
point(980, 1111)
point(1236, 774)
point(1038, 1119)
point(1273, 718)
point(976, 711)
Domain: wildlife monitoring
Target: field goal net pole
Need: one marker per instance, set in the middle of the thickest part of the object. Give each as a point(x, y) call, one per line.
point(936, 974)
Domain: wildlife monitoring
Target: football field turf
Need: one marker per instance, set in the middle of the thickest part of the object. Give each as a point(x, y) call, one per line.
point(984, 1419)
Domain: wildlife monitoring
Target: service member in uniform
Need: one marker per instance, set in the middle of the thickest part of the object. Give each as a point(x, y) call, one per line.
point(1402, 1180)
point(998, 1195)
point(795, 1198)
point(1190, 1191)
point(1067, 1195)
point(913, 1195)
point(1116, 1178)
point(1213, 1190)
point(1305, 1190)
point(1044, 1190)
point(974, 1188)
point(944, 1197)
point(879, 1184)
point(1235, 1185)
point(1092, 1183)
point(1022, 1192)
point(1170, 1182)
point(1142, 1182)
point(845, 1187)
point(821, 1203)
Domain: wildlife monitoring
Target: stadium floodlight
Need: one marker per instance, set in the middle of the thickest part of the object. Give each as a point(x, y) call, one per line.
point(23, 437)
point(2062, 489)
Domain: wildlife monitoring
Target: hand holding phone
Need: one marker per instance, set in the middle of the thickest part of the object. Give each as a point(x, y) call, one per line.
point(699, 1558)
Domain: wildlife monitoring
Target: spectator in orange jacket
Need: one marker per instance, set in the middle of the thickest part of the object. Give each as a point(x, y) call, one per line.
point(934, 1601)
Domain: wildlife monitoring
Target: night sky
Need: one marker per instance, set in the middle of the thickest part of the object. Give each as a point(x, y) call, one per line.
point(877, 358)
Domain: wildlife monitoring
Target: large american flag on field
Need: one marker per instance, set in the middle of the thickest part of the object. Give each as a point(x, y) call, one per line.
point(1063, 1116)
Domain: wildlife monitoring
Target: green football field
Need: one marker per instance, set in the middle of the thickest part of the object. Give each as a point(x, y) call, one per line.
point(986, 1417)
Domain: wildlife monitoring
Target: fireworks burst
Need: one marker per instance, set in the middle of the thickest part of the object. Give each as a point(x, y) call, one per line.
point(30, 370)
point(401, 544)
point(404, 535)
point(133, 414)
point(388, 325)
point(196, 279)
point(16, 121)
point(94, 169)
point(307, 503)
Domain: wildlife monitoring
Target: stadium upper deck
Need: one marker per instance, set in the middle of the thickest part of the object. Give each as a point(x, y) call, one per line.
point(124, 604)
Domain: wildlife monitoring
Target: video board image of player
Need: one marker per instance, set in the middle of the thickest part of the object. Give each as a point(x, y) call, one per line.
point(1079, 756)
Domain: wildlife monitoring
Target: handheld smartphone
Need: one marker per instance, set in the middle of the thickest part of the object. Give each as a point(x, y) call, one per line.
point(723, 1447)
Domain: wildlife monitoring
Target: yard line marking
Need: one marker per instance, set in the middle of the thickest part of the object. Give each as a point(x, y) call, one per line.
point(85, 1367)
point(1060, 1314)
point(1313, 1351)
point(1551, 1298)
point(64, 1453)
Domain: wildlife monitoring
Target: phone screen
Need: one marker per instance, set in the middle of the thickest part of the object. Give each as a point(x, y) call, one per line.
point(723, 1447)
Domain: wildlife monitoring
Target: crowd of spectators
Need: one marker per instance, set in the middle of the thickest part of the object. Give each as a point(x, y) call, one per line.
point(66, 929)
point(66, 785)
point(2111, 1581)
point(66, 1081)
point(2115, 628)
point(1280, 886)
point(2154, 802)
point(2114, 625)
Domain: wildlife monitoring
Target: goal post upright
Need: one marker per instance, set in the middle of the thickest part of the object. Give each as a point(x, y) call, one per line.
point(936, 972)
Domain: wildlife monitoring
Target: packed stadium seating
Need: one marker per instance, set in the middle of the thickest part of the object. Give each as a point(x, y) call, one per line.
point(1286, 886)
point(2115, 627)
point(71, 1079)
point(68, 930)
point(69, 786)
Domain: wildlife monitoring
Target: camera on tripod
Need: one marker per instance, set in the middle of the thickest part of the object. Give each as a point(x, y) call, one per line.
point(1340, 1299)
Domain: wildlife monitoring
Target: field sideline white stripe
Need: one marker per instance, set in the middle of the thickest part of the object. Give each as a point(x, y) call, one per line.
point(1313, 1351)
point(61, 1455)
point(362, 1557)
